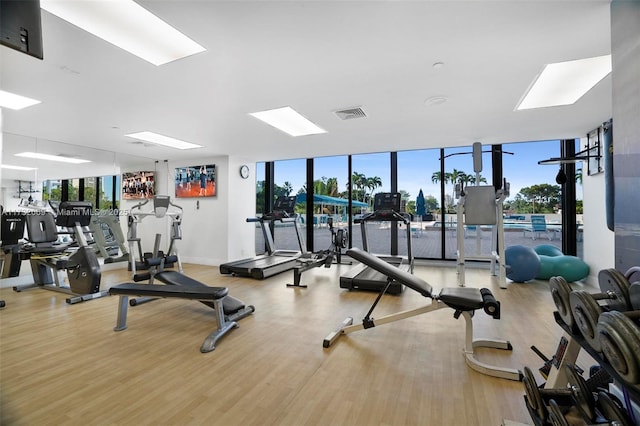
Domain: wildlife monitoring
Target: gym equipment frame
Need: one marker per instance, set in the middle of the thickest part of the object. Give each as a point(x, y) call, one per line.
point(273, 261)
point(203, 294)
point(386, 209)
point(48, 258)
point(161, 209)
point(477, 206)
point(464, 301)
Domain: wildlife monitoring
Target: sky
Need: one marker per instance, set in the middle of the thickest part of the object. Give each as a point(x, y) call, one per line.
point(415, 168)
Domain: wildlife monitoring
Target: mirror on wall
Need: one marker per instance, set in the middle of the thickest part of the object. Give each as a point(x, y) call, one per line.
point(34, 169)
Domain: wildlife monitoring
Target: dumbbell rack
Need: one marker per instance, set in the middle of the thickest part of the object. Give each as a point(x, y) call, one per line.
point(557, 377)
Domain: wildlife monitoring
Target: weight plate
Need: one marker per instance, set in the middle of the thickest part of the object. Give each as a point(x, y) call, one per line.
point(582, 396)
point(560, 291)
point(634, 296)
point(556, 418)
point(586, 312)
point(620, 342)
point(611, 409)
point(534, 399)
point(613, 281)
point(630, 272)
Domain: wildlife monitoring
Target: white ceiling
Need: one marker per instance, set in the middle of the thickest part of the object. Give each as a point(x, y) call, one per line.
point(318, 57)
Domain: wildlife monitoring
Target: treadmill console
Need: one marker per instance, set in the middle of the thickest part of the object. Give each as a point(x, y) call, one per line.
point(283, 207)
point(387, 201)
point(386, 207)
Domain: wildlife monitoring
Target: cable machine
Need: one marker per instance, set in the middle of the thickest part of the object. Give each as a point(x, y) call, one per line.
point(481, 205)
point(162, 208)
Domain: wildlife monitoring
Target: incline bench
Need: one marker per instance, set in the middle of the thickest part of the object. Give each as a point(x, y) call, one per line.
point(228, 310)
point(464, 301)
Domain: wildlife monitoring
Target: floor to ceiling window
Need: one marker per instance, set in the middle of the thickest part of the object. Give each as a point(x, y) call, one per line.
point(535, 193)
point(289, 180)
point(461, 171)
point(371, 174)
point(415, 181)
point(429, 197)
point(330, 198)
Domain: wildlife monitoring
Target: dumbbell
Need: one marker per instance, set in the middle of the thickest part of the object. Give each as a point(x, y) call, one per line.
point(577, 393)
point(605, 409)
point(610, 409)
point(586, 310)
point(619, 338)
point(613, 285)
point(556, 418)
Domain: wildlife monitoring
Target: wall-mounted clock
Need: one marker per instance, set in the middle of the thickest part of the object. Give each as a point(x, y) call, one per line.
point(244, 171)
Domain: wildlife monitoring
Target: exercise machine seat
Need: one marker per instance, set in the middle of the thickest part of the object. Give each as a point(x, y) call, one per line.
point(43, 233)
point(462, 298)
point(178, 279)
point(160, 290)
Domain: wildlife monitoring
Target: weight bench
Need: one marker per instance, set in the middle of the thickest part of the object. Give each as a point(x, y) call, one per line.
point(234, 309)
point(212, 296)
point(464, 300)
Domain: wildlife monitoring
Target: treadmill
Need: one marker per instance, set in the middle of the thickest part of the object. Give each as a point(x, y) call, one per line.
point(361, 277)
point(273, 261)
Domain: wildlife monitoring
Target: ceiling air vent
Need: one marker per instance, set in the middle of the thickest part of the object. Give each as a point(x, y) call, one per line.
point(350, 113)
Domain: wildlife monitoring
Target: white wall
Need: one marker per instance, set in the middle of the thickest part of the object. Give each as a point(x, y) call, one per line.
point(599, 242)
point(214, 229)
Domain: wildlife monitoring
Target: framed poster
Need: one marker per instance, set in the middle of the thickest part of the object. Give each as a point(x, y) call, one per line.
point(196, 181)
point(136, 185)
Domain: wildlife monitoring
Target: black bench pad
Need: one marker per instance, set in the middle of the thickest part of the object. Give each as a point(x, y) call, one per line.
point(462, 298)
point(159, 290)
point(176, 278)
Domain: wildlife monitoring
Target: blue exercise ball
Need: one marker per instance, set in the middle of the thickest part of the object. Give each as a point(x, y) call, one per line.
point(523, 263)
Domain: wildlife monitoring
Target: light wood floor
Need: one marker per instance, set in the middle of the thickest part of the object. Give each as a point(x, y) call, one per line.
point(64, 365)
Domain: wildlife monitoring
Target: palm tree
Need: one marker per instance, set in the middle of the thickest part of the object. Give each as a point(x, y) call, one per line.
point(358, 183)
point(372, 183)
point(472, 179)
point(288, 188)
point(332, 187)
point(455, 176)
point(437, 177)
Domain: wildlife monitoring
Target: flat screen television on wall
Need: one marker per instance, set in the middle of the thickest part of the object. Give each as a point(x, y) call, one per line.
point(196, 181)
point(21, 26)
point(137, 185)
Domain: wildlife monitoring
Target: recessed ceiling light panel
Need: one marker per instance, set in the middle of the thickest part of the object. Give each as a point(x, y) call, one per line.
point(563, 83)
point(48, 157)
point(13, 101)
point(10, 167)
point(289, 121)
point(127, 25)
point(163, 140)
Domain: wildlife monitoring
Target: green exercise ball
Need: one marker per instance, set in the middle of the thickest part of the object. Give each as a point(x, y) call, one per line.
point(571, 268)
point(547, 267)
point(548, 250)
